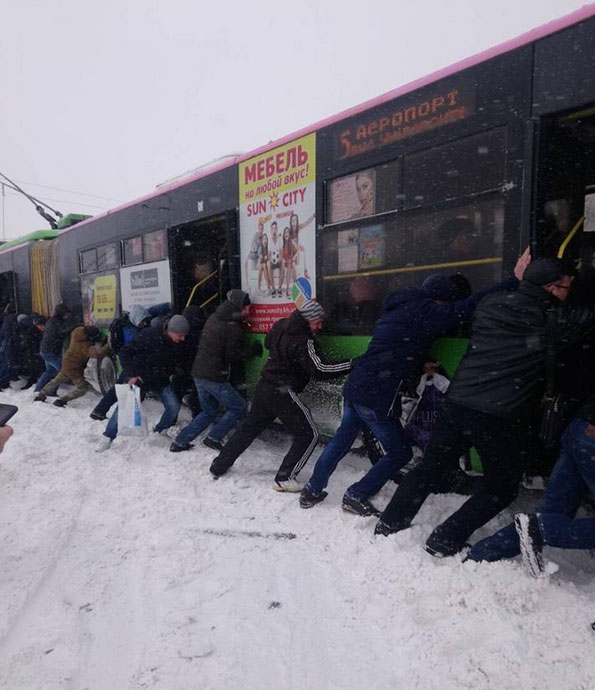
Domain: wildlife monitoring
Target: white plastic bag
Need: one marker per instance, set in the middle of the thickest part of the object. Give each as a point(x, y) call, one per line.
point(132, 419)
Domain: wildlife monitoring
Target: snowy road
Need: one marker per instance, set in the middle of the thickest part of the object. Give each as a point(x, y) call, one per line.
point(135, 569)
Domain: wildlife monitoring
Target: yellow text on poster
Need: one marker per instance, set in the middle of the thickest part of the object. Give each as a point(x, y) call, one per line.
point(279, 171)
point(104, 297)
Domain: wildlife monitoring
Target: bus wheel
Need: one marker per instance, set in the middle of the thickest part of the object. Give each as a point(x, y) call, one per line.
point(107, 374)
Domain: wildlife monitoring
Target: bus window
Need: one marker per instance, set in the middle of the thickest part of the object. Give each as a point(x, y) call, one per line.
point(361, 194)
point(88, 261)
point(362, 264)
point(133, 250)
point(467, 166)
point(107, 256)
point(155, 244)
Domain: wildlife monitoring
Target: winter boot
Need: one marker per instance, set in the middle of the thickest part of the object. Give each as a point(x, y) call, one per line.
point(179, 447)
point(39, 398)
point(212, 443)
point(60, 402)
point(309, 498)
point(531, 542)
point(385, 529)
point(359, 506)
point(97, 416)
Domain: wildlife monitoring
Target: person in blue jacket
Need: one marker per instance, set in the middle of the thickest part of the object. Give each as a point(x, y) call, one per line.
point(411, 320)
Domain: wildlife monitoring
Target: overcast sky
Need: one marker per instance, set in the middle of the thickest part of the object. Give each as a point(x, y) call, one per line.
point(110, 98)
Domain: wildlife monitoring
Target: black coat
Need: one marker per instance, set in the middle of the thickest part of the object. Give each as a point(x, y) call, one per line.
point(152, 355)
point(221, 344)
point(293, 358)
point(410, 322)
point(503, 371)
point(55, 331)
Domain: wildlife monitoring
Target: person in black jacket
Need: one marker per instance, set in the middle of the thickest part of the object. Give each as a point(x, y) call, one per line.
point(411, 320)
point(149, 361)
point(292, 361)
point(220, 345)
point(8, 341)
point(29, 334)
point(51, 345)
point(488, 404)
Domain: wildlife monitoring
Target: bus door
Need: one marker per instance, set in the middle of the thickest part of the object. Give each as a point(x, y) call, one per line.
point(565, 208)
point(8, 300)
point(200, 263)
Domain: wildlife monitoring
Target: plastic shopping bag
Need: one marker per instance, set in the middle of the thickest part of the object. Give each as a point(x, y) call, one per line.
point(132, 419)
point(420, 424)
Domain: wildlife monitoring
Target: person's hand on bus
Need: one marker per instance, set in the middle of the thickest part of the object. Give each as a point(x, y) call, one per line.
point(522, 262)
point(134, 381)
point(431, 368)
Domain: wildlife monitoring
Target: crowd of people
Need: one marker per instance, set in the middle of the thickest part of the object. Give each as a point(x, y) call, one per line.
point(491, 404)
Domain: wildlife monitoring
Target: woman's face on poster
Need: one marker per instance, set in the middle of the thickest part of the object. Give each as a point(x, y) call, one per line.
point(364, 185)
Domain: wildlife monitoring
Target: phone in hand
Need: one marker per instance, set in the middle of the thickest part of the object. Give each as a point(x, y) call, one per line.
point(6, 412)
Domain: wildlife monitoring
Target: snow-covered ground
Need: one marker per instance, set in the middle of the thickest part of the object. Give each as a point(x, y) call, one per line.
point(135, 569)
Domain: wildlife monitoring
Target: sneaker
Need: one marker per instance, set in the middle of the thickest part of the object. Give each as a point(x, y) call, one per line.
point(531, 542)
point(97, 416)
point(60, 403)
point(288, 485)
point(359, 506)
point(309, 498)
point(385, 529)
point(212, 443)
point(103, 445)
point(179, 447)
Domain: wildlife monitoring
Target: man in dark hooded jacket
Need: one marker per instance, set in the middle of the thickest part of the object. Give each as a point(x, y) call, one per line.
point(220, 345)
point(148, 362)
point(292, 361)
point(51, 345)
point(29, 334)
point(489, 404)
point(412, 319)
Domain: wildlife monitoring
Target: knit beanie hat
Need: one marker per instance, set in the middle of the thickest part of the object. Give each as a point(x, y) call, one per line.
point(178, 324)
point(439, 287)
point(138, 314)
point(545, 271)
point(238, 298)
point(311, 311)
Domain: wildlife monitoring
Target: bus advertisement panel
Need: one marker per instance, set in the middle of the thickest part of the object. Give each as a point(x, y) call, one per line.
point(277, 230)
point(145, 284)
point(100, 298)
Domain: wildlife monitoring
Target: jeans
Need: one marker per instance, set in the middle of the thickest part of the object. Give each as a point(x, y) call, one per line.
point(387, 430)
point(104, 405)
point(211, 395)
point(53, 364)
point(170, 401)
point(573, 477)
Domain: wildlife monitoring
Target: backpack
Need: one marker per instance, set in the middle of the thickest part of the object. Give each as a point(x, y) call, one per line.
point(117, 337)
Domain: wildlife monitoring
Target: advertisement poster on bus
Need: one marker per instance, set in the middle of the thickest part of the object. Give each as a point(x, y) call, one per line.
point(278, 230)
point(353, 196)
point(145, 284)
point(99, 293)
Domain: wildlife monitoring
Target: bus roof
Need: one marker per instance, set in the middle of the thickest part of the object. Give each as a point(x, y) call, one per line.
point(512, 44)
point(31, 237)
